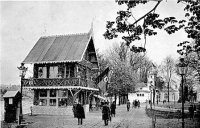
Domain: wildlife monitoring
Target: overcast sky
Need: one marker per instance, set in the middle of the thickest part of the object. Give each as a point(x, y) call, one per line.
point(23, 23)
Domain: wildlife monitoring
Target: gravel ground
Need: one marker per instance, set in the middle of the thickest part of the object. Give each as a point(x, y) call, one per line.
point(135, 118)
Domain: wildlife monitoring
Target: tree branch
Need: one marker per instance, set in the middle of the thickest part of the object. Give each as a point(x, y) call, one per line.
point(147, 13)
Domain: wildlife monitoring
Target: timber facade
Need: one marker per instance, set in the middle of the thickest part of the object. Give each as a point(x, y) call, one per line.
point(64, 68)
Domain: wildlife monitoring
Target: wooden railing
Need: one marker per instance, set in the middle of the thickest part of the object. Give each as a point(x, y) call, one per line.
point(47, 82)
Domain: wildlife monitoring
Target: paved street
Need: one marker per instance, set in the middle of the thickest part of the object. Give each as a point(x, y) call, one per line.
point(135, 118)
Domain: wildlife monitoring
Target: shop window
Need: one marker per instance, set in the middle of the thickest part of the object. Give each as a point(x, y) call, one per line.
point(43, 102)
point(63, 93)
point(52, 93)
point(62, 102)
point(52, 102)
point(43, 93)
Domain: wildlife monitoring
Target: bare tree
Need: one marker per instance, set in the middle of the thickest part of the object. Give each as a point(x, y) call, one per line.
point(167, 70)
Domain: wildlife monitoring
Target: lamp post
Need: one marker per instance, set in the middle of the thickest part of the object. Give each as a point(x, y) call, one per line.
point(182, 69)
point(22, 74)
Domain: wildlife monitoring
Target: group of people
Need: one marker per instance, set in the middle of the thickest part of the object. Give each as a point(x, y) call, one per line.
point(107, 112)
point(136, 104)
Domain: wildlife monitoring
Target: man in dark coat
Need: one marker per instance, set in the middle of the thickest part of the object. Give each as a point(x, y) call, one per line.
point(80, 113)
point(113, 107)
point(128, 105)
point(106, 113)
point(191, 111)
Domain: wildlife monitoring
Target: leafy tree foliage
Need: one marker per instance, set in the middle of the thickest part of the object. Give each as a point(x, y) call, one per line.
point(191, 50)
point(128, 69)
point(141, 27)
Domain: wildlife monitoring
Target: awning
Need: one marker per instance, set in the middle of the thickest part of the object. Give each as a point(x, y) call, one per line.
point(62, 87)
point(100, 97)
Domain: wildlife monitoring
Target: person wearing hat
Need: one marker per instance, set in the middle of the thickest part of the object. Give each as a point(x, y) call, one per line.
point(80, 114)
point(112, 108)
point(106, 113)
point(128, 105)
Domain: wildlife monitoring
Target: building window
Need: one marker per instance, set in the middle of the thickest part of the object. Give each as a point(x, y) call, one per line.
point(10, 100)
point(142, 94)
point(52, 102)
point(63, 93)
point(62, 102)
point(138, 95)
point(43, 93)
point(43, 102)
point(42, 72)
point(53, 72)
point(52, 93)
point(69, 71)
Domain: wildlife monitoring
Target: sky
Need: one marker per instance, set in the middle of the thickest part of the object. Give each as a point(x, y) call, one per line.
point(23, 23)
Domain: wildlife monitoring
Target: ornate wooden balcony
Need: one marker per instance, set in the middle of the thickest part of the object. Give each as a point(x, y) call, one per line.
point(48, 82)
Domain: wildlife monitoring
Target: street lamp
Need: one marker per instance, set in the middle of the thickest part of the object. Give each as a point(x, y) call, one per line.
point(22, 74)
point(182, 70)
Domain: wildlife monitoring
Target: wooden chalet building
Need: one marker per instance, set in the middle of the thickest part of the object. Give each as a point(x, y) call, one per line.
point(64, 68)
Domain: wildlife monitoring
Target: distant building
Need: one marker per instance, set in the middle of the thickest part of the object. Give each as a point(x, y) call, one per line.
point(63, 72)
point(173, 94)
point(143, 91)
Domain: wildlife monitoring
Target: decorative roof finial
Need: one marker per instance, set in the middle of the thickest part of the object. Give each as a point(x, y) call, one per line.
point(91, 28)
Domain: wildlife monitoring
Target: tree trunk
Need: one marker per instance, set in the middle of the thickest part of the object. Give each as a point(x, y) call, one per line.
point(153, 96)
point(168, 91)
point(119, 99)
point(115, 97)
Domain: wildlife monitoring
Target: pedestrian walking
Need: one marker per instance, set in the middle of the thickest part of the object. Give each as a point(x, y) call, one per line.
point(133, 104)
point(138, 104)
point(128, 105)
point(80, 113)
point(106, 113)
point(113, 107)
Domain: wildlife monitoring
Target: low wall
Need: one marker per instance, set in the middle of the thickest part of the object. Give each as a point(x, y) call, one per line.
point(50, 110)
point(169, 114)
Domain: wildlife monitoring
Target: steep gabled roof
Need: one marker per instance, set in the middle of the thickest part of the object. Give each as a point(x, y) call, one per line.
point(64, 48)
